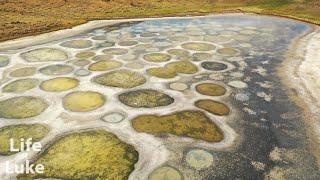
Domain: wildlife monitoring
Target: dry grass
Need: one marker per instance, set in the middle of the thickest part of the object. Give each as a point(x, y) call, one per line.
point(27, 17)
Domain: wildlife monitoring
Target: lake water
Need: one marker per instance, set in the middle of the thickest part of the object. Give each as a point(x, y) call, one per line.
point(205, 89)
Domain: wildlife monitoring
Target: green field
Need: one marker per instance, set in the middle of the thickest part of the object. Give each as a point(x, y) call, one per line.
point(20, 18)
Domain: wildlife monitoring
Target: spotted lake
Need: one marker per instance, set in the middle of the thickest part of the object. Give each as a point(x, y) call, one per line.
point(177, 98)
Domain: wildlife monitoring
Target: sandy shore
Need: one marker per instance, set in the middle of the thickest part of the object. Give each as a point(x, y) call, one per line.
point(301, 74)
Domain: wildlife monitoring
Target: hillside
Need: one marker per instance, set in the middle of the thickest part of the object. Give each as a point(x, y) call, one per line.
point(20, 18)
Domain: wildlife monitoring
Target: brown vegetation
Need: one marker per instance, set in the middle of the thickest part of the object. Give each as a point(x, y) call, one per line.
point(27, 17)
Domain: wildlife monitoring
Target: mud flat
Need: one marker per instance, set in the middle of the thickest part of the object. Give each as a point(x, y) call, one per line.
point(301, 73)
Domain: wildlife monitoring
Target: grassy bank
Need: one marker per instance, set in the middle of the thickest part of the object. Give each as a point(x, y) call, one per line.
point(20, 18)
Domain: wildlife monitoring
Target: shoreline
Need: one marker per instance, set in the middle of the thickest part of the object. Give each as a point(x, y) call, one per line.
point(227, 10)
point(82, 28)
point(296, 75)
point(95, 24)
